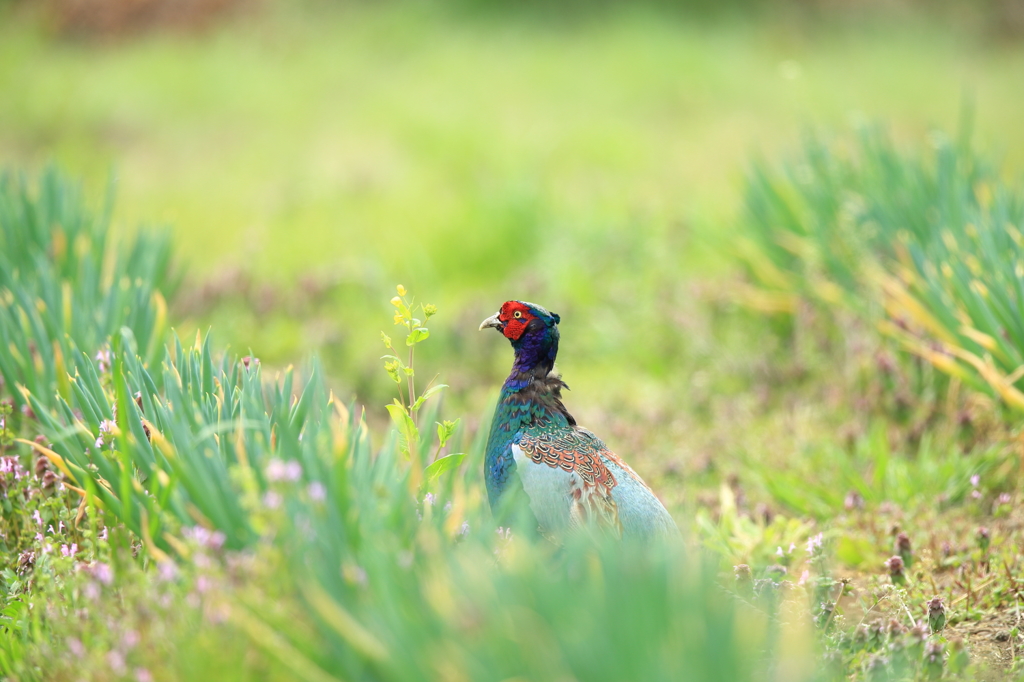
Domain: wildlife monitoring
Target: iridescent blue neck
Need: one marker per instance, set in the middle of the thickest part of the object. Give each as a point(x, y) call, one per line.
point(535, 358)
point(535, 355)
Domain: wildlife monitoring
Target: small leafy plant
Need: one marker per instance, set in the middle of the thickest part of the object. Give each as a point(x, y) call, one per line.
point(406, 406)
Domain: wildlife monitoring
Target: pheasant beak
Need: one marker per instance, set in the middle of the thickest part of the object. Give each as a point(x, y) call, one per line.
point(492, 321)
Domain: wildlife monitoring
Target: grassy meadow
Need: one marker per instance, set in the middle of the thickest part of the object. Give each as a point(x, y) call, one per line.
point(785, 250)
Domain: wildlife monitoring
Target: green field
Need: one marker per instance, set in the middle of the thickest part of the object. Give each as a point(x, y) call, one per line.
point(474, 159)
point(307, 159)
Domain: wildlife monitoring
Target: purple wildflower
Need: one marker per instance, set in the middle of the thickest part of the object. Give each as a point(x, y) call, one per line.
point(102, 572)
point(936, 614)
point(984, 538)
point(278, 470)
point(902, 548)
point(275, 470)
point(895, 566)
point(167, 571)
point(129, 639)
point(103, 360)
point(115, 659)
point(317, 491)
point(205, 537)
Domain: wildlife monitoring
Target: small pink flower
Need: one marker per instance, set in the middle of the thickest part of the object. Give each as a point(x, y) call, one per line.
point(316, 491)
point(975, 480)
point(129, 639)
point(102, 572)
point(103, 360)
point(115, 660)
point(278, 470)
point(69, 551)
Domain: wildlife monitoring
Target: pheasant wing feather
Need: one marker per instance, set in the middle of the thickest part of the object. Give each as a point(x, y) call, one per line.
point(565, 474)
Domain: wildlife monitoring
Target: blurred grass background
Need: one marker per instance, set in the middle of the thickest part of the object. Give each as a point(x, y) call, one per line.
point(307, 156)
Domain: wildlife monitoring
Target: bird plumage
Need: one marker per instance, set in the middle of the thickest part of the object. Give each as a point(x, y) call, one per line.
point(572, 481)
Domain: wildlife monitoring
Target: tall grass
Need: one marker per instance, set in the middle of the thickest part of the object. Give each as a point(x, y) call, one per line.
point(66, 285)
point(927, 246)
point(188, 457)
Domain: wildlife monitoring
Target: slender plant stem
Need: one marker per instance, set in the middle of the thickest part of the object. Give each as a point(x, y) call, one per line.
point(401, 396)
point(412, 380)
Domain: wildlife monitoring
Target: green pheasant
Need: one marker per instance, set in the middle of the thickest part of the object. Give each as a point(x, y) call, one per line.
point(572, 481)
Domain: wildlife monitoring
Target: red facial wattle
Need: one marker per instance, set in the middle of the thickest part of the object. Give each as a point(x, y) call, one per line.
point(515, 316)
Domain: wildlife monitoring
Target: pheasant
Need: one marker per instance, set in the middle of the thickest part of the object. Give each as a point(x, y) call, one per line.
point(572, 481)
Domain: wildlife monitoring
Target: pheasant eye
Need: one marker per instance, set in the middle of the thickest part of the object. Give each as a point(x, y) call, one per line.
point(517, 314)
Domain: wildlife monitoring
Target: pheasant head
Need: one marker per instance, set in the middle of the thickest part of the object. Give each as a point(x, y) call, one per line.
point(533, 332)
